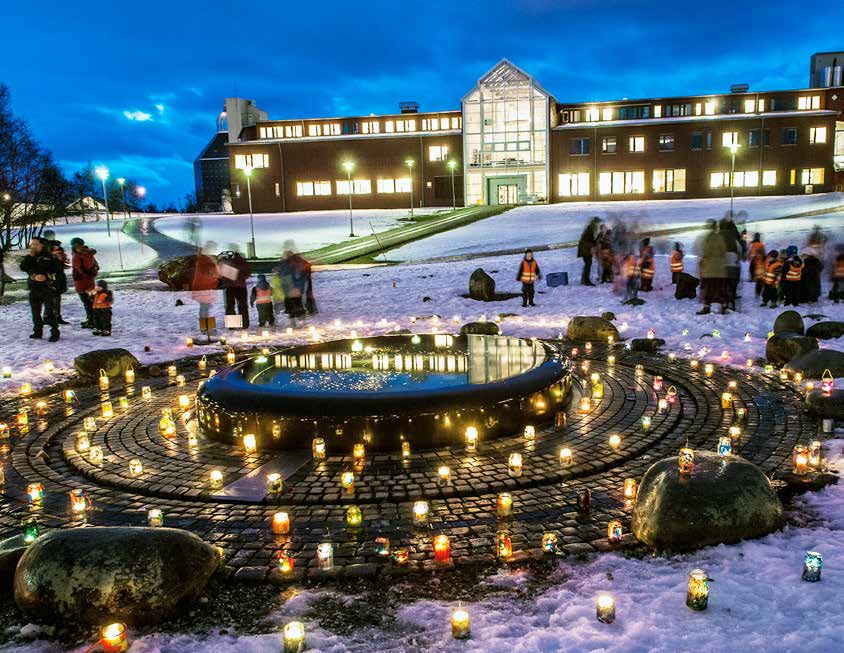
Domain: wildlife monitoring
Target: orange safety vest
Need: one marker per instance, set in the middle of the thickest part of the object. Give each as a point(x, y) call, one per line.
point(756, 248)
point(528, 271)
point(631, 267)
point(646, 265)
point(263, 296)
point(676, 261)
point(773, 272)
point(101, 300)
point(795, 271)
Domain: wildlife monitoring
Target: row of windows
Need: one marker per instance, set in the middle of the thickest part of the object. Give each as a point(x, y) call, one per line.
point(401, 125)
point(666, 142)
point(244, 161)
point(707, 108)
point(673, 180)
point(358, 187)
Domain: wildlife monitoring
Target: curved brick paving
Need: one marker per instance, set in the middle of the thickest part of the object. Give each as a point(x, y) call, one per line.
point(175, 476)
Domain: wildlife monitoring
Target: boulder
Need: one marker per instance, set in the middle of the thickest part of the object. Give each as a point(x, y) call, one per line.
point(481, 286)
point(103, 574)
point(782, 347)
point(821, 405)
point(646, 344)
point(585, 327)
point(11, 550)
point(813, 363)
point(480, 329)
point(609, 315)
point(177, 273)
point(114, 361)
point(723, 500)
point(789, 322)
point(826, 330)
point(634, 301)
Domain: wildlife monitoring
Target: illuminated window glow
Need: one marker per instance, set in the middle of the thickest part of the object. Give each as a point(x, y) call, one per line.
point(669, 180)
point(811, 176)
point(574, 184)
point(370, 127)
point(359, 186)
point(817, 135)
point(621, 182)
point(709, 108)
point(243, 161)
point(808, 102)
point(769, 178)
point(438, 153)
point(310, 188)
point(729, 138)
point(637, 143)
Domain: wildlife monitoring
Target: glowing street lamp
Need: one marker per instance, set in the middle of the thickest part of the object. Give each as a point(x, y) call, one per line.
point(409, 163)
point(451, 166)
point(248, 172)
point(102, 173)
point(141, 192)
point(348, 166)
point(734, 146)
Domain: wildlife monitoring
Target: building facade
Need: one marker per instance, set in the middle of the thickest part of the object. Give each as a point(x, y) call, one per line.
point(512, 142)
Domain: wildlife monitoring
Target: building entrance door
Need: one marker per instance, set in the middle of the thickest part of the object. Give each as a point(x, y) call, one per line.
point(508, 194)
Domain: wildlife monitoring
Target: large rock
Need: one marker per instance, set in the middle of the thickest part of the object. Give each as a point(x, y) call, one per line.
point(11, 550)
point(812, 364)
point(789, 322)
point(826, 330)
point(178, 272)
point(591, 328)
point(646, 344)
point(104, 574)
point(481, 286)
point(479, 329)
point(722, 500)
point(822, 405)
point(782, 347)
point(114, 361)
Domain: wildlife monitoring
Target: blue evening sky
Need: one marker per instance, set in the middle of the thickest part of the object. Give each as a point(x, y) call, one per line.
point(137, 85)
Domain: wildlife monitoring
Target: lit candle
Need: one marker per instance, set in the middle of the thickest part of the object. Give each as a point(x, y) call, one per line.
point(560, 419)
point(325, 555)
point(172, 372)
point(629, 488)
point(530, 433)
point(827, 382)
point(671, 394)
point(114, 639)
point(354, 517)
point(588, 346)
point(281, 523)
point(184, 402)
point(275, 484)
point(22, 417)
point(202, 363)
point(30, 531)
point(285, 562)
point(615, 441)
point(123, 402)
point(78, 502)
point(657, 384)
point(504, 545)
point(318, 448)
point(693, 363)
point(662, 406)
point(444, 475)
point(460, 624)
point(783, 375)
point(358, 452)
point(725, 446)
point(515, 464)
point(69, 396)
point(549, 543)
point(294, 637)
point(726, 400)
point(697, 596)
point(4, 430)
point(640, 369)
point(605, 609)
point(646, 423)
point(504, 505)
point(230, 356)
point(382, 546)
point(249, 443)
point(815, 453)
point(95, 456)
point(347, 480)
point(180, 380)
point(800, 457)
point(146, 392)
point(610, 340)
point(686, 460)
point(471, 438)
point(565, 456)
point(400, 555)
point(136, 467)
point(130, 374)
point(89, 424)
point(35, 491)
point(614, 531)
point(405, 450)
point(812, 565)
point(598, 391)
point(585, 404)
point(442, 548)
point(107, 410)
point(709, 370)
point(748, 362)
point(611, 359)
point(215, 479)
point(83, 442)
point(420, 514)
point(155, 517)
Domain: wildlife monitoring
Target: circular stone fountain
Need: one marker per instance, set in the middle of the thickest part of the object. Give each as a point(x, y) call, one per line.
point(423, 389)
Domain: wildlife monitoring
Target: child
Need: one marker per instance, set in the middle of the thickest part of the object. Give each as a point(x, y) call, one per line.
point(792, 273)
point(773, 271)
point(262, 295)
point(630, 278)
point(101, 304)
point(528, 274)
point(647, 265)
point(676, 263)
point(606, 256)
point(757, 263)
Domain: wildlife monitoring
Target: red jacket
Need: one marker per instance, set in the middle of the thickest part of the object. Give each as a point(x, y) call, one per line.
point(85, 269)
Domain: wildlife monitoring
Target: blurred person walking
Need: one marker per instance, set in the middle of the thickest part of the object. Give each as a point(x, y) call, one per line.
point(205, 279)
point(234, 270)
point(586, 248)
point(712, 269)
point(84, 270)
point(756, 262)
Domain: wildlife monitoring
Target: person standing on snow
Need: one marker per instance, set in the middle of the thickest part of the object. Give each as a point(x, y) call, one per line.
point(712, 270)
point(647, 265)
point(676, 263)
point(756, 262)
point(262, 296)
point(528, 274)
point(41, 268)
point(84, 270)
point(585, 248)
point(792, 275)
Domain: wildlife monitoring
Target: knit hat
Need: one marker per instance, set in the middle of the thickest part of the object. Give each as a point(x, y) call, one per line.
point(791, 251)
point(102, 283)
point(76, 241)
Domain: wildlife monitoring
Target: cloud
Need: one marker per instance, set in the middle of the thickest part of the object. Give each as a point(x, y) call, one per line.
point(138, 116)
point(160, 108)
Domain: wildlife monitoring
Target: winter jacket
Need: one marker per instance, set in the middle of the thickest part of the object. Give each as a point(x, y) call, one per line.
point(713, 257)
point(103, 299)
point(676, 261)
point(204, 279)
point(261, 295)
point(773, 272)
point(43, 264)
point(528, 271)
point(793, 269)
point(85, 269)
point(234, 270)
point(586, 244)
point(811, 286)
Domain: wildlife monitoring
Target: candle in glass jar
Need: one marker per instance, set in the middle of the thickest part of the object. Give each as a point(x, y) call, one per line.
point(347, 480)
point(515, 464)
point(293, 637)
point(136, 467)
point(358, 452)
point(146, 392)
point(95, 456)
point(215, 479)
point(285, 562)
point(78, 502)
point(615, 441)
point(504, 545)
point(155, 517)
point(605, 609)
point(657, 385)
point(629, 488)
point(405, 450)
point(530, 433)
point(697, 595)
point(800, 458)
point(275, 484)
point(585, 404)
point(354, 517)
point(726, 400)
point(35, 492)
point(812, 565)
point(614, 531)
point(686, 460)
point(400, 555)
point(281, 523)
point(565, 457)
point(318, 448)
point(725, 446)
point(444, 475)
point(420, 514)
point(83, 442)
point(130, 375)
point(325, 555)
point(709, 370)
point(646, 423)
point(89, 424)
point(442, 548)
point(815, 453)
point(114, 639)
point(460, 624)
point(471, 438)
point(249, 443)
point(504, 505)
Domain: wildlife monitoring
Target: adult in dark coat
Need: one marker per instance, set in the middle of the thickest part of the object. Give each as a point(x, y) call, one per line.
point(58, 253)
point(41, 268)
point(85, 269)
point(810, 283)
point(585, 249)
point(234, 271)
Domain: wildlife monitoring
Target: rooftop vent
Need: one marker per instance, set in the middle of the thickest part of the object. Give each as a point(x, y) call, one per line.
point(739, 88)
point(409, 107)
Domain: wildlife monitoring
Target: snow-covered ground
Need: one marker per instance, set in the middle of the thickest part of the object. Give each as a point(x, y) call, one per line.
point(757, 602)
point(530, 226)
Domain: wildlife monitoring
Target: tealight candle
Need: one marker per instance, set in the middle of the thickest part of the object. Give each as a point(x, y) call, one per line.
point(504, 545)
point(35, 492)
point(136, 467)
point(172, 372)
point(662, 406)
point(231, 356)
point(657, 385)
point(354, 517)
point(629, 488)
point(114, 639)
point(281, 523)
point(812, 565)
point(285, 562)
point(515, 464)
point(405, 450)
point(420, 514)
point(129, 374)
point(614, 531)
point(726, 400)
point(69, 396)
point(800, 457)
point(146, 392)
point(347, 480)
point(294, 637)
point(155, 517)
point(275, 483)
point(565, 456)
point(83, 442)
point(605, 609)
point(444, 475)
point(815, 453)
point(611, 359)
point(89, 424)
point(107, 410)
point(460, 624)
point(530, 433)
point(78, 502)
point(95, 456)
point(598, 391)
point(709, 370)
point(697, 596)
point(399, 555)
point(471, 438)
point(358, 452)
point(504, 505)
point(215, 479)
point(318, 448)
point(615, 441)
point(4, 430)
point(325, 555)
point(184, 402)
point(22, 417)
point(442, 548)
point(725, 446)
point(646, 423)
point(640, 369)
point(202, 364)
point(585, 404)
point(686, 460)
point(249, 443)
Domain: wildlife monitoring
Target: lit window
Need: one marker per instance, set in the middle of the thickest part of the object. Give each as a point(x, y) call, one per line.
point(277, 189)
point(749, 105)
point(322, 188)
point(304, 188)
point(333, 129)
point(410, 125)
point(621, 182)
point(606, 113)
point(717, 179)
point(608, 145)
point(760, 106)
point(361, 186)
point(437, 152)
point(403, 185)
point(370, 127)
point(386, 185)
point(263, 132)
point(792, 178)
point(314, 130)
point(811, 176)
point(666, 142)
point(769, 178)
point(605, 183)
point(729, 138)
point(751, 179)
point(592, 115)
point(243, 161)
point(709, 108)
point(669, 181)
point(806, 102)
point(389, 127)
point(817, 135)
point(698, 109)
point(455, 122)
point(637, 143)
point(293, 131)
point(342, 186)
point(574, 184)
point(657, 111)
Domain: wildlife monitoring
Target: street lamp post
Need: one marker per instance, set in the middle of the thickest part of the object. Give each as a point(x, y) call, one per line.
point(733, 149)
point(409, 163)
point(451, 166)
point(122, 183)
point(102, 173)
point(248, 172)
point(348, 166)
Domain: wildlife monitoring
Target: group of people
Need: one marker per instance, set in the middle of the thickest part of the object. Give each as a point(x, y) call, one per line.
point(289, 289)
point(46, 265)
